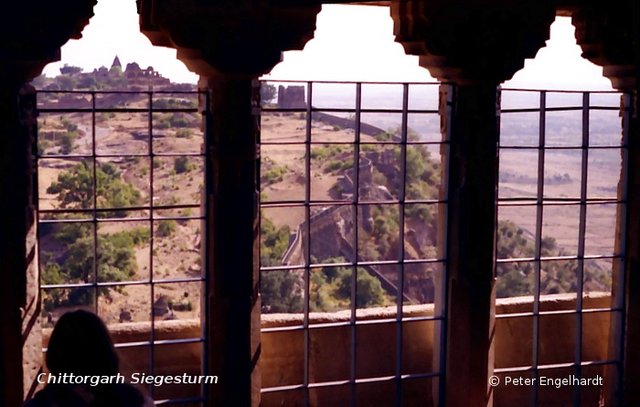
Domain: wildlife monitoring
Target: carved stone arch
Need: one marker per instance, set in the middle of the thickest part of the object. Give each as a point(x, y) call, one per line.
point(472, 41)
point(233, 38)
point(608, 35)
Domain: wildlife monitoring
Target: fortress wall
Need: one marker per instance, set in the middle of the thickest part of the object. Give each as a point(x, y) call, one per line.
point(345, 123)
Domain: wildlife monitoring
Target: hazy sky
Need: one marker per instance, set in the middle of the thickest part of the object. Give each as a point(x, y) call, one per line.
point(350, 43)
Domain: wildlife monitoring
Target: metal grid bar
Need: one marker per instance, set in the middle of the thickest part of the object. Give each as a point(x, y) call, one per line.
point(377, 321)
point(619, 295)
point(550, 148)
point(339, 82)
point(556, 258)
point(554, 366)
point(559, 312)
point(118, 92)
point(583, 201)
point(359, 202)
point(116, 110)
point(354, 273)
point(558, 201)
point(337, 383)
point(352, 264)
point(401, 254)
point(347, 110)
point(348, 143)
point(307, 272)
point(581, 241)
point(204, 100)
point(151, 243)
point(151, 209)
point(320, 203)
point(557, 109)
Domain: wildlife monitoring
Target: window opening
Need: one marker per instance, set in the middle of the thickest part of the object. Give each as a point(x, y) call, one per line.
point(120, 219)
point(352, 259)
point(561, 194)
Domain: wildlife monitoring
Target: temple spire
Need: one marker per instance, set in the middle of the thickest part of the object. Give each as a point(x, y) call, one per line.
point(116, 63)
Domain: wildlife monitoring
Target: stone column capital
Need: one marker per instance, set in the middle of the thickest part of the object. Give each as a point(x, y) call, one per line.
point(240, 38)
point(608, 36)
point(468, 42)
point(33, 33)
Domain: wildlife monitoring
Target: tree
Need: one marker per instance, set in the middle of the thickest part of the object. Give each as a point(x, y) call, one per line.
point(66, 82)
point(369, 291)
point(67, 140)
point(75, 188)
point(274, 242)
point(115, 261)
point(267, 93)
point(281, 291)
point(70, 70)
point(331, 288)
point(166, 227)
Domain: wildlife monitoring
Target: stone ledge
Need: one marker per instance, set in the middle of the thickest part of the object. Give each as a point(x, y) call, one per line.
point(190, 328)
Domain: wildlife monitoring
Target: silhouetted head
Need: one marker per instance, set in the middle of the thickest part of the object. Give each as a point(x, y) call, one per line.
point(80, 344)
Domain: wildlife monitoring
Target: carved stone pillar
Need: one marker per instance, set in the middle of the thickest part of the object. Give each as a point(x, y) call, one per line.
point(230, 44)
point(31, 37)
point(608, 34)
point(474, 46)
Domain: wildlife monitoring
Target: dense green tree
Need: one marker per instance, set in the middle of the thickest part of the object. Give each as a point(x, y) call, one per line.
point(274, 242)
point(267, 92)
point(70, 70)
point(166, 227)
point(74, 188)
point(281, 291)
point(115, 261)
point(369, 291)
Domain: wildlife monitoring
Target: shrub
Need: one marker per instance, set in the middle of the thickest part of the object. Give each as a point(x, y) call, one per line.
point(166, 227)
point(183, 133)
point(67, 141)
point(179, 120)
point(181, 165)
point(274, 174)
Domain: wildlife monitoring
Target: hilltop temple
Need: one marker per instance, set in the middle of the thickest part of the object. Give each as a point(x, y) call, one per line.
point(135, 76)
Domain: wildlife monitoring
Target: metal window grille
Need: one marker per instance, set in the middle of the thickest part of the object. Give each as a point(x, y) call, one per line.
point(562, 183)
point(149, 142)
point(347, 167)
